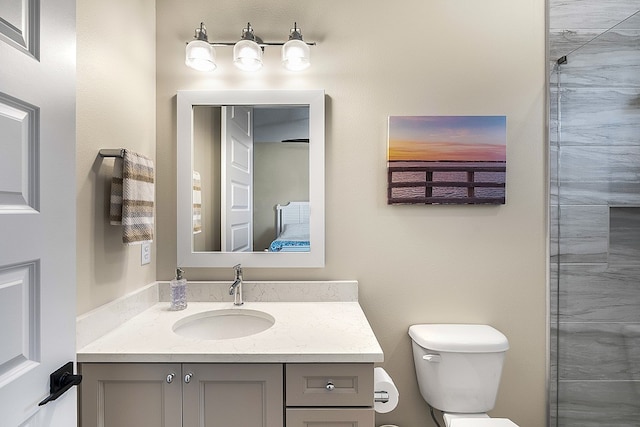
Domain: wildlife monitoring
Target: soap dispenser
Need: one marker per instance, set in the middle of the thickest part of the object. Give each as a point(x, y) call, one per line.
point(178, 291)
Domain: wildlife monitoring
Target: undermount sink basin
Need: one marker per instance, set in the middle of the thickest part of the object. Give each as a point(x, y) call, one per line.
point(223, 324)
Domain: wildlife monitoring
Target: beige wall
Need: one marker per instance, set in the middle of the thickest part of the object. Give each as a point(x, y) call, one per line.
point(415, 264)
point(115, 109)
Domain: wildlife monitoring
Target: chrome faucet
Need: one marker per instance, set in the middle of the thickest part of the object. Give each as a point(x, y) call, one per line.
point(236, 286)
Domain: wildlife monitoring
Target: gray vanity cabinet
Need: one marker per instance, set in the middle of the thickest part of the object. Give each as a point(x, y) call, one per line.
point(329, 395)
point(130, 395)
point(248, 395)
point(330, 417)
point(181, 395)
point(223, 394)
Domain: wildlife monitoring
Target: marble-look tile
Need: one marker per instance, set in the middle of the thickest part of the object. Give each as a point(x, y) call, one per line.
point(624, 245)
point(600, 163)
point(553, 81)
point(563, 42)
point(553, 382)
point(554, 237)
point(600, 116)
point(595, 293)
point(599, 403)
point(553, 370)
point(598, 14)
point(599, 193)
point(608, 60)
point(553, 176)
point(599, 351)
point(553, 294)
point(553, 117)
point(599, 175)
point(631, 23)
point(584, 233)
point(598, 94)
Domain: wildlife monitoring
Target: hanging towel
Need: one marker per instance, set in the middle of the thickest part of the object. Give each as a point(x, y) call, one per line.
point(197, 203)
point(132, 197)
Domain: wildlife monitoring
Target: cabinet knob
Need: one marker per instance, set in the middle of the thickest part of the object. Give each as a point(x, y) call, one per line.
point(187, 378)
point(330, 386)
point(170, 378)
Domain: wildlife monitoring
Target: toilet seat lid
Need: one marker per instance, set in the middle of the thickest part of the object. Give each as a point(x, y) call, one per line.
point(482, 422)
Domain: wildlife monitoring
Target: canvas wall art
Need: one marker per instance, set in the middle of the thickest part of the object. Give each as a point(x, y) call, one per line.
point(447, 160)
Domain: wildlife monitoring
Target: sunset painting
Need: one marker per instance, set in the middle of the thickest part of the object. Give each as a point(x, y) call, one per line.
point(447, 159)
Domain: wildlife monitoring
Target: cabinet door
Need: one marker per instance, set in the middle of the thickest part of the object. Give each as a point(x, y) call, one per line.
point(130, 395)
point(225, 395)
point(330, 417)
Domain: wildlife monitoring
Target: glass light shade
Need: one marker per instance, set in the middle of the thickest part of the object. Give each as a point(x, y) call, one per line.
point(295, 55)
point(200, 56)
point(247, 55)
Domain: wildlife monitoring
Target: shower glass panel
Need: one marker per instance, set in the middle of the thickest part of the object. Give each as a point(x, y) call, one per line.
point(594, 158)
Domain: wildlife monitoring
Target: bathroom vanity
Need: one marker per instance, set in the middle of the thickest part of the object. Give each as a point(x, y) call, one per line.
point(312, 365)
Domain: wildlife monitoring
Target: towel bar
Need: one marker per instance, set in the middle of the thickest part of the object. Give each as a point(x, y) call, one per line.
point(112, 152)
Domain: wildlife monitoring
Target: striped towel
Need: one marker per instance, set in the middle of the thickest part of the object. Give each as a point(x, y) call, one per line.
point(132, 197)
point(197, 203)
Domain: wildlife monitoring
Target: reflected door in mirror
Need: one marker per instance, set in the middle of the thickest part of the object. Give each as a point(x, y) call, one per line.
point(250, 160)
point(246, 160)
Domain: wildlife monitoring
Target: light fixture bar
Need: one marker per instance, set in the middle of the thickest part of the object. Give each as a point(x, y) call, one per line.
point(261, 44)
point(248, 51)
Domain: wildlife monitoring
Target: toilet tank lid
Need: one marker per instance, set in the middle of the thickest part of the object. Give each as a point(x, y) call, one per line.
point(459, 338)
point(484, 422)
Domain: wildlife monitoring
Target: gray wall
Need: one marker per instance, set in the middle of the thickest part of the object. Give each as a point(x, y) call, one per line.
point(595, 247)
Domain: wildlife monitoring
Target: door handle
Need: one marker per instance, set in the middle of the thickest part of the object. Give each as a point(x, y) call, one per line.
point(60, 381)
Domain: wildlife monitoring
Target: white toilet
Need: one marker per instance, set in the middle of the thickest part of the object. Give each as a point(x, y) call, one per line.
point(458, 369)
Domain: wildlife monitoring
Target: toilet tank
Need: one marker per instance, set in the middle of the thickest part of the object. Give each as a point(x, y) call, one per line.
point(458, 366)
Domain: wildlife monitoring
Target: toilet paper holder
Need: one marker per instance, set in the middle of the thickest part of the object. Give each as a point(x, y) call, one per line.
point(380, 396)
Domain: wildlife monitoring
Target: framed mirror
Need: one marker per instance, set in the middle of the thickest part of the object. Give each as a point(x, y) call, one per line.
point(250, 168)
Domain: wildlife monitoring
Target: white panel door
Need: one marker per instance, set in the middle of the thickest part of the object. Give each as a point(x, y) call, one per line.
point(237, 179)
point(37, 209)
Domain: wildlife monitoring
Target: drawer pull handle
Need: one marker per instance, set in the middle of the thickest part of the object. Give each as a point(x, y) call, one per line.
point(330, 386)
point(170, 378)
point(187, 378)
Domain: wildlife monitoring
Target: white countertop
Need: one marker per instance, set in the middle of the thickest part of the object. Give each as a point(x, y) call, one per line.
point(305, 332)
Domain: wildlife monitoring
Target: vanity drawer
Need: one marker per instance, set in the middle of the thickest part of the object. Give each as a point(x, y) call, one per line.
point(353, 417)
point(329, 384)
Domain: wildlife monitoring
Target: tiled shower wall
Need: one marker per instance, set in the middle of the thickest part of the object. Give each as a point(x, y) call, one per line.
point(595, 213)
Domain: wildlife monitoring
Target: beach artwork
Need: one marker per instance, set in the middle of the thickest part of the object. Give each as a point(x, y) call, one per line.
point(447, 160)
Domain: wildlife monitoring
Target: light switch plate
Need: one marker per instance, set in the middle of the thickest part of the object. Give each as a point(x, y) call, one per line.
point(145, 253)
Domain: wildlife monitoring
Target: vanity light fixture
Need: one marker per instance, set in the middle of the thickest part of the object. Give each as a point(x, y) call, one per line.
point(295, 52)
point(247, 53)
point(200, 55)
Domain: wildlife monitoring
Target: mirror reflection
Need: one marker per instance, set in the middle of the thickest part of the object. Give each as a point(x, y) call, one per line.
point(251, 178)
point(257, 201)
